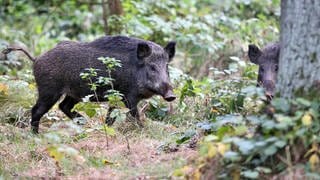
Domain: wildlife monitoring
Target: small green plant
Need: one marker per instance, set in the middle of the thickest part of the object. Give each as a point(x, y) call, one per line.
point(113, 97)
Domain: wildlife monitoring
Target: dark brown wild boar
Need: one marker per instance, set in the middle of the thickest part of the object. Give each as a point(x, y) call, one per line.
point(144, 73)
point(268, 60)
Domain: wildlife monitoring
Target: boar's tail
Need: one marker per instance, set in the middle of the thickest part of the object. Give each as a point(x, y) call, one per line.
point(9, 49)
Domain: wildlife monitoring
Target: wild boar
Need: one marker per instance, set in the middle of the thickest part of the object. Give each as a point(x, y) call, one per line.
point(268, 61)
point(144, 73)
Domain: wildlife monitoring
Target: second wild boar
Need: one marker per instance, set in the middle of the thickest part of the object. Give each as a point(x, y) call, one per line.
point(268, 61)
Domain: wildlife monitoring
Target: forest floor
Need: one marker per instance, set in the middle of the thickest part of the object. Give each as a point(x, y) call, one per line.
point(61, 151)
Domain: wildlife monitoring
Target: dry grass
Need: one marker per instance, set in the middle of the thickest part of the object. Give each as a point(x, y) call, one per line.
point(132, 153)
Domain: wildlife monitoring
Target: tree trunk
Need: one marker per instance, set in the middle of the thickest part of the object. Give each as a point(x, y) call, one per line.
point(115, 7)
point(105, 17)
point(112, 7)
point(299, 66)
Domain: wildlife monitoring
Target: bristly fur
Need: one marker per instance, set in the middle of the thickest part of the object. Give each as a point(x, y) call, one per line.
point(142, 75)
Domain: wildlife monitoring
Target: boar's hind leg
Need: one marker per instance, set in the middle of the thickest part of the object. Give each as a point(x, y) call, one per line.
point(67, 104)
point(44, 103)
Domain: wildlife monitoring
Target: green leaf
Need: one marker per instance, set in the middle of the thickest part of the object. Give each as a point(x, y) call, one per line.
point(109, 130)
point(240, 130)
point(245, 146)
point(89, 108)
point(281, 104)
point(211, 138)
point(224, 130)
point(90, 112)
point(271, 150)
point(280, 144)
point(250, 174)
point(186, 136)
point(231, 155)
point(119, 114)
point(303, 102)
point(229, 119)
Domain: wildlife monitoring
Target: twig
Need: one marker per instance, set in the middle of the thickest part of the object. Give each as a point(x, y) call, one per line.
point(128, 145)
point(288, 154)
point(282, 159)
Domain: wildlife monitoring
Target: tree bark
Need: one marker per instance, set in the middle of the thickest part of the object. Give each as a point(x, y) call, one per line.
point(109, 8)
point(115, 7)
point(299, 65)
point(105, 17)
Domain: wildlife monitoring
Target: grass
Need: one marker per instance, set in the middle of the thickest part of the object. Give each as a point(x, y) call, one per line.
point(63, 149)
point(23, 154)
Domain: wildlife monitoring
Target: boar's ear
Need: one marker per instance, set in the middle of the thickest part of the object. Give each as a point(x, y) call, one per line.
point(171, 49)
point(143, 50)
point(254, 53)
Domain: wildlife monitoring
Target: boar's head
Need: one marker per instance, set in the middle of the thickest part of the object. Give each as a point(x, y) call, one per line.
point(268, 60)
point(153, 70)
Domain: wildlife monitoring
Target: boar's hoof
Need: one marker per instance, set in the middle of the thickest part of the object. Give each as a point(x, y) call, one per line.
point(35, 129)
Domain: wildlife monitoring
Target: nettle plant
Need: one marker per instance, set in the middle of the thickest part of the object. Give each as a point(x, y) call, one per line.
point(112, 96)
point(253, 146)
point(57, 149)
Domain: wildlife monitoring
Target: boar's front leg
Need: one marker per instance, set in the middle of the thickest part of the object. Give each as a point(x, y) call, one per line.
point(131, 104)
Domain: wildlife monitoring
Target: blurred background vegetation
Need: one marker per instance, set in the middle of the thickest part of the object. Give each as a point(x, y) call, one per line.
point(219, 105)
point(208, 32)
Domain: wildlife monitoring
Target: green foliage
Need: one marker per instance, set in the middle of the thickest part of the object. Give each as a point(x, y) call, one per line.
point(16, 98)
point(89, 108)
point(110, 63)
point(207, 32)
point(204, 100)
point(109, 131)
point(114, 97)
point(261, 145)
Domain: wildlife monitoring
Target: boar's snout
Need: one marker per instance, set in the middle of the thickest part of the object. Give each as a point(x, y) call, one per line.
point(269, 87)
point(269, 96)
point(169, 96)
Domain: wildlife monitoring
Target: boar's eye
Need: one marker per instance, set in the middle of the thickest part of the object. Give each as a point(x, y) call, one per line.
point(276, 68)
point(261, 69)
